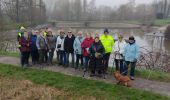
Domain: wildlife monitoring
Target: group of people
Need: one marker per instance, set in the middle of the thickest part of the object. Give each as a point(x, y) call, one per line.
point(91, 53)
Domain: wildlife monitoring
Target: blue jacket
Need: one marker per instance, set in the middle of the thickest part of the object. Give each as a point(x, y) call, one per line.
point(33, 39)
point(77, 45)
point(131, 52)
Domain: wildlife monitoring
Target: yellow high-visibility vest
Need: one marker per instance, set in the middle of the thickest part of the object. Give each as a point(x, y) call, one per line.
point(107, 42)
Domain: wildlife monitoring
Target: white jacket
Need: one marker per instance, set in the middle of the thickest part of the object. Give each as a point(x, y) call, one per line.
point(119, 47)
point(60, 42)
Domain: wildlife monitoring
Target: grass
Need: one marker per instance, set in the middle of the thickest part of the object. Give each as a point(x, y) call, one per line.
point(78, 86)
point(154, 75)
point(9, 54)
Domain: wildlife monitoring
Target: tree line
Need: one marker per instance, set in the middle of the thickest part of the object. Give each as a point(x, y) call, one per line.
point(22, 11)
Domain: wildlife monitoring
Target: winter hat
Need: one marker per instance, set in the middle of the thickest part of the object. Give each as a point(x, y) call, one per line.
point(131, 38)
point(106, 30)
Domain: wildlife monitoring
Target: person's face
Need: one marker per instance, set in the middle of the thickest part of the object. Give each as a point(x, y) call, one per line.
point(131, 41)
point(80, 35)
point(88, 36)
point(62, 33)
point(50, 33)
point(69, 33)
point(106, 33)
point(25, 33)
point(96, 40)
point(120, 38)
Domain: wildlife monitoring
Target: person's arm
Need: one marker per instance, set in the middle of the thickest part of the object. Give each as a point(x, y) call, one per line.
point(37, 43)
point(137, 52)
point(74, 45)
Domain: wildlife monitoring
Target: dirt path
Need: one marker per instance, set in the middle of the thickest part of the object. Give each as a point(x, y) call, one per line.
point(154, 86)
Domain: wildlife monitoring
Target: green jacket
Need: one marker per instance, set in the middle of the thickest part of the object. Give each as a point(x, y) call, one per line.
point(107, 42)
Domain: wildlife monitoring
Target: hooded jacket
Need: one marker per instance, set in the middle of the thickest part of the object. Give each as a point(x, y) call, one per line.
point(51, 42)
point(68, 44)
point(119, 47)
point(60, 43)
point(131, 52)
point(107, 42)
point(86, 45)
point(77, 45)
point(96, 48)
point(25, 44)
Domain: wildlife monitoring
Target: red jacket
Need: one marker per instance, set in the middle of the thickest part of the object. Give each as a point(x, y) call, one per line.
point(25, 44)
point(86, 44)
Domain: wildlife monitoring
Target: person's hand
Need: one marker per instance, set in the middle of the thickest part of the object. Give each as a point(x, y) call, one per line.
point(87, 49)
point(50, 50)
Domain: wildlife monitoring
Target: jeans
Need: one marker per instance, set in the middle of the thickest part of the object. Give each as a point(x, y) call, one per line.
point(24, 58)
point(67, 58)
point(79, 57)
point(35, 56)
point(50, 57)
point(106, 61)
point(119, 65)
point(132, 66)
point(62, 57)
point(86, 62)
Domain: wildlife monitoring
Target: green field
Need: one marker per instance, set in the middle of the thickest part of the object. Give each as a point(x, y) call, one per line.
point(78, 86)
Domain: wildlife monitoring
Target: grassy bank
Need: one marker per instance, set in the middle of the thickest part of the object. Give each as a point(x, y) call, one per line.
point(9, 54)
point(78, 86)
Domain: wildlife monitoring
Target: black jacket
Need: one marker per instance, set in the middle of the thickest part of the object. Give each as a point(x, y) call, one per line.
point(68, 44)
point(96, 48)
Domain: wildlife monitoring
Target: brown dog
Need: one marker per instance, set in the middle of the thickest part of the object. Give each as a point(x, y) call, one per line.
point(122, 80)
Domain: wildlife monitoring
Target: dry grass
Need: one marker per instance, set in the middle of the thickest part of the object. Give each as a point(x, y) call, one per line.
point(11, 89)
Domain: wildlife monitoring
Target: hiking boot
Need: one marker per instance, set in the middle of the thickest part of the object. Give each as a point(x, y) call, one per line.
point(132, 78)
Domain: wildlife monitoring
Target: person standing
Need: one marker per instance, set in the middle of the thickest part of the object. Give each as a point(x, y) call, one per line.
point(68, 47)
point(34, 50)
point(108, 42)
point(96, 52)
point(25, 49)
point(60, 48)
point(118, 50)
point(131, 54)
point(88, 41)
point(77, 49)
point(51, 44)
point(41, 44)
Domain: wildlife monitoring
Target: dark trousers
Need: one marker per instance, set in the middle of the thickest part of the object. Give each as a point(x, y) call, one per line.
point(24, 58)
point(62, 57)
point(58, 56)
point(79, 57)
point(41, 56)
point(46, 56)
point(96, 65)
point(50, 57)
point(106, 61)
point(35, 56)
point(67, 58)
point(132, 66)
point(119, 65)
